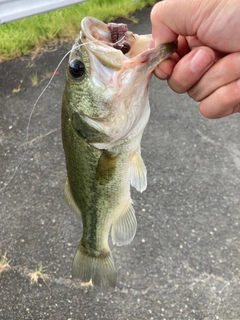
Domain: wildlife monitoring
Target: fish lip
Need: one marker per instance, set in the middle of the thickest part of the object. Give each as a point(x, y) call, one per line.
point(96, 37)
point(91, 26)
point(172, 46)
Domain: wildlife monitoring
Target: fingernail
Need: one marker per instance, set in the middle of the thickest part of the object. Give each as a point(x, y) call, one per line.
point(200, 61)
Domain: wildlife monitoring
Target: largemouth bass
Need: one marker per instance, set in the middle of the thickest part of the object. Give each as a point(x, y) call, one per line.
point(105, 110)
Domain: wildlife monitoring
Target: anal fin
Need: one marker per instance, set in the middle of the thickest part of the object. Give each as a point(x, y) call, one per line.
point(138, 172)
point(124, 228)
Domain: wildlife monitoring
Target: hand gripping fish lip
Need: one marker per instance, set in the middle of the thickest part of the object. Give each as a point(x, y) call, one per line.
point(111, 49)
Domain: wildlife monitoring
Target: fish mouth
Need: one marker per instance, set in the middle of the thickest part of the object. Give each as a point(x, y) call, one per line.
point(112, 43)
point(120, 64)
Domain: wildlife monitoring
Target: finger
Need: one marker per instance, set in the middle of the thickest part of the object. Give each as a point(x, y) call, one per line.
point(224, 71)
point(164, 70)
point(183, 47)
point(191, 68)
point(222, 102)
point(161, 31)
point(194, 42)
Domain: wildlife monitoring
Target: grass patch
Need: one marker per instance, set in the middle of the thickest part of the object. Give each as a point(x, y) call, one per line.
point(4, 263)
point(39, 274)
point(21, 37)
point(34, 79)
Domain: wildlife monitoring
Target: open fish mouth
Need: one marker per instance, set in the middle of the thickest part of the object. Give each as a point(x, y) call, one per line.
point(113, 36)
point(113, 44)
point(119, 62)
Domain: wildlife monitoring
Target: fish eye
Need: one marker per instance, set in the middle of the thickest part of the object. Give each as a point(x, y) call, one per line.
point(77, 68)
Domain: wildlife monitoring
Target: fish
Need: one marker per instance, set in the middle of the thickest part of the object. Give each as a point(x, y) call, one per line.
point(105, 108)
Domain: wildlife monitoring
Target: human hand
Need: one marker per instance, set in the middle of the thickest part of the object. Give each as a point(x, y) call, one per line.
point(207, 62)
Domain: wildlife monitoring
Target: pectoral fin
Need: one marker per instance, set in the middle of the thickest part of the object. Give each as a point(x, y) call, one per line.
point(70, 201)
point(138, 172)
point(124, 228)
point(106, 167)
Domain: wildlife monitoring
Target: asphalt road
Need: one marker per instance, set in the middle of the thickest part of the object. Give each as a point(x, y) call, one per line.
point(184, 262)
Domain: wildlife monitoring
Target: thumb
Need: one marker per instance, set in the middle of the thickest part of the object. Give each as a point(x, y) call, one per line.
point(162, 29)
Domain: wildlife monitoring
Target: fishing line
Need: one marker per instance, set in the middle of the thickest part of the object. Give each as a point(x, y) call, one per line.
point(30, 118)
point(35, 104)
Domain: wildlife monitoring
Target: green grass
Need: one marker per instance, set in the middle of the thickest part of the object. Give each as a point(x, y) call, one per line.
point(21, 37)
point(39, 274)
point(4, 263)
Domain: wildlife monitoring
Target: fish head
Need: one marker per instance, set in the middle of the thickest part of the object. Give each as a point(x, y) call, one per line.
point(107, 85)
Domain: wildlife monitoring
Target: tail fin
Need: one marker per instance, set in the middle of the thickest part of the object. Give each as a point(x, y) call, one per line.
point(100, 270)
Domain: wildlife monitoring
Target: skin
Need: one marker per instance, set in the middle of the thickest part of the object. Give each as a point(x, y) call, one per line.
point(207, 63)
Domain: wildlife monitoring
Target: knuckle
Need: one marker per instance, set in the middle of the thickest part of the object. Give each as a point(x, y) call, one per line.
point(194, 95)
point(178, 85)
